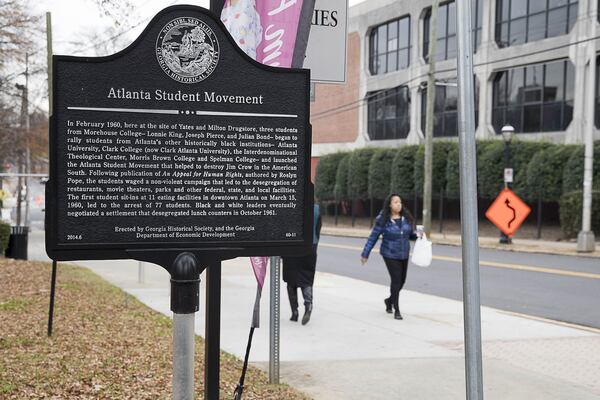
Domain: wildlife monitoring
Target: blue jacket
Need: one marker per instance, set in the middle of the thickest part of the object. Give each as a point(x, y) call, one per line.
point(396, 235)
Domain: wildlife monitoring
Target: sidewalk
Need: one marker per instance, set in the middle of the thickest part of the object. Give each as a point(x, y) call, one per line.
point(524, 245)
point(352, 349)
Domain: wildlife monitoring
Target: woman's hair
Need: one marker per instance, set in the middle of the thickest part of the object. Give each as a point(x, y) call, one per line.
point(386, 211)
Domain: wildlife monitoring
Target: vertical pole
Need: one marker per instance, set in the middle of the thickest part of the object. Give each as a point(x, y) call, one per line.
point(27, 150)
point(441, 216)
point(468, 203)
point(49, 51)
point(427, 184)
point(274, 321)
point(505, 239)
point(336, 211)
point(585, 238)
point(19, 185)
point(141, 273)
point(212, 335)
point(185, 288)
point(54, 264)
point(27, 189)
point(539, 217)
point(183, 356)
point(52, 291)
point(216, 6)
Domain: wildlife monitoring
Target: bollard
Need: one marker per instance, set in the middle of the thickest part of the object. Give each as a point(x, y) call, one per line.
point(185, 287)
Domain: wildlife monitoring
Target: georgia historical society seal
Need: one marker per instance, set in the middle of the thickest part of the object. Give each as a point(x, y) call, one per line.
point(187, 50)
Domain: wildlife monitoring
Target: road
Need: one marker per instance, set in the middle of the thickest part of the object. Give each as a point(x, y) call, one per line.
point(562, 288)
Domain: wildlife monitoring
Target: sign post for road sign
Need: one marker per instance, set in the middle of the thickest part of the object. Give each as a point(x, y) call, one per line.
point(508, 212)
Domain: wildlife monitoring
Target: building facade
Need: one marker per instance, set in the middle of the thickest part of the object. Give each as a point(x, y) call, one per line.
point(531, 70)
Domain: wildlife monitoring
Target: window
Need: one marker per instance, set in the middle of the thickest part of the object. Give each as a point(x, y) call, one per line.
point(445, 110)
point(534, 98)
point(389, 46)
point(446, 46)
point(389, 113)
point(522, 21)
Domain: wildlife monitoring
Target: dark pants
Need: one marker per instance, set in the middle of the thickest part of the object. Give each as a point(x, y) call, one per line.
point(307, 293)
point(397, 270)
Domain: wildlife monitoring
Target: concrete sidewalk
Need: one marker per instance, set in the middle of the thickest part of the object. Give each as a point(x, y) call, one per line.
point(524, 245)
point(352, 349)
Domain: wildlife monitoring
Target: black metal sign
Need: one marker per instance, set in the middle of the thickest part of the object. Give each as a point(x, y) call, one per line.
point(178, 142)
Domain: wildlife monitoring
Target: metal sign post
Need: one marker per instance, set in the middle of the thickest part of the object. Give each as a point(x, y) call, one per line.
point(185, 287)
point(468, 202)
point(274, 332)
point(177, 151)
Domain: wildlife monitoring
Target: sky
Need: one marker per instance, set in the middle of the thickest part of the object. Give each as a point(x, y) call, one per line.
point(77, 20)
point(71, 18)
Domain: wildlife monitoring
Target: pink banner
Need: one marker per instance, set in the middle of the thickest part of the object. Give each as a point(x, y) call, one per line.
point(259, 265)
point(265, 29)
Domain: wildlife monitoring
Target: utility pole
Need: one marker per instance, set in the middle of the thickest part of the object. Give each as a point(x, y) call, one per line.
point(24, 124)
point(585, 238)
point(468, 202)
point(27, 149)
point(427, 184)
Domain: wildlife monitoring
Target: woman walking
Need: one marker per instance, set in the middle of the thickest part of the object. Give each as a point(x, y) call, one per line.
point(299, 272)
point(396, 225)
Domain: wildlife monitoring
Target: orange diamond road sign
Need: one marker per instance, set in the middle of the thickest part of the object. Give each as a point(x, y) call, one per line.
point(508, 212)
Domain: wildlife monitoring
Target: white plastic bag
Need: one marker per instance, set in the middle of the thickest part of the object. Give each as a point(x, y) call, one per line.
point(422, 252)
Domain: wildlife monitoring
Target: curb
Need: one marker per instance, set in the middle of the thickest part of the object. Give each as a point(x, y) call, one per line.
point(540, 247)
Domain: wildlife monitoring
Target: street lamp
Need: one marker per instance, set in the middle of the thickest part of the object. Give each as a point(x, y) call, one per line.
point(507, 134)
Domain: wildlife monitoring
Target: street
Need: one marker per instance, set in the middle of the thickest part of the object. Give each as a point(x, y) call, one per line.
point(561, 288)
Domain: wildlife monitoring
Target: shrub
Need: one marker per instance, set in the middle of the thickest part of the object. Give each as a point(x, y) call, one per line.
point(380, 169)
point(453, 174)
point(326, 174)
point(490, 166)
point(490, 169)
point(573, 171)
point(340, 190)
point(521, 154)
point(545, 173)
point(358, 173)
point(570, 213)
point(4, 236)
point(402, 173)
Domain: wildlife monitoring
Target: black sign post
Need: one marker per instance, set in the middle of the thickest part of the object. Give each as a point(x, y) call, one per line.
point(181, 151)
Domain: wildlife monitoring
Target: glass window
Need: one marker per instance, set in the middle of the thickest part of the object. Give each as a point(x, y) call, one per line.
point(445, 110)
point(389, 46)
point(540, 97)
point(536, 29)
point(388, 113)
point(446, 30)
point(522, 21)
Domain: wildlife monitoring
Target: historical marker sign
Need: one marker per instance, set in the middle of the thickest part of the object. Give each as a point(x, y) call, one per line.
point(180, 141)
point(508, 212)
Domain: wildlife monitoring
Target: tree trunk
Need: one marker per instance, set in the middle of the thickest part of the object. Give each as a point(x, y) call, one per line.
point(352, 209)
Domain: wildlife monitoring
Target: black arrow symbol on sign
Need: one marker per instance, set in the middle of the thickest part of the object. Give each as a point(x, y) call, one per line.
point(507, 202)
